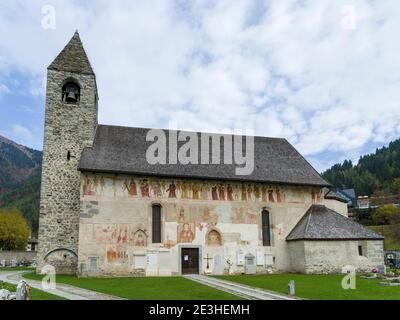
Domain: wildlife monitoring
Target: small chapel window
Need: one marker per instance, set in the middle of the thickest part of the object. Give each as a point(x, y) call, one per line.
point(266, 228)
point(71, 93)
point(156, 219)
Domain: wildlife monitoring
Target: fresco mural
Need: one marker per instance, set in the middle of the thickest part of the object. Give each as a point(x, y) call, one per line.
point(214, 238)
point(120, 186)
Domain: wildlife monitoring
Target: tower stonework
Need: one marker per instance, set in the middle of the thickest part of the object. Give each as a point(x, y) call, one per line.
point(70, 125)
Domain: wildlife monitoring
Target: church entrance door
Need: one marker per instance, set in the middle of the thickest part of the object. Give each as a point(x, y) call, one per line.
point(190, 261)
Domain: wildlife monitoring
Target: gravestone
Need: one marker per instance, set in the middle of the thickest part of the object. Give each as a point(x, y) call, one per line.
point(22, 291)
point(164, 261)
point(240, 258)
point(250, 266)
point(381, 269)
point(139, 261)
point(152, 263)
point(2, 263)
point(14, 263)
point(260, 257)
point(5, 294)
point(218, 267)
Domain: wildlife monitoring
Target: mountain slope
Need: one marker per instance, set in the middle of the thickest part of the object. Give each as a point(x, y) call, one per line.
point(20, 170)
point(379, 171)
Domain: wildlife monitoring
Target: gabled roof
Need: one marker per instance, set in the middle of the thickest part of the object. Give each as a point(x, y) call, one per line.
point(349, 192)
point(331, 194)
point(73, 58)
point(322, 223)
point(123, 150)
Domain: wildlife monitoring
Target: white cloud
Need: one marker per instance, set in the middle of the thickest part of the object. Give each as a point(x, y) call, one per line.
point(285, 68)
point(22, 135)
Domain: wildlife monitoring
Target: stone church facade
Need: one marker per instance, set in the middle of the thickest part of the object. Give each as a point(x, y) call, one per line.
point(105, 211)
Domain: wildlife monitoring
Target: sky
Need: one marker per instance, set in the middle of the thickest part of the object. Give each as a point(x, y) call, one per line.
point(325, 75)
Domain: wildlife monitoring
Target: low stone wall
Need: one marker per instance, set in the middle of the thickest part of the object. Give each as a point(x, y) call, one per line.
point(19, 256)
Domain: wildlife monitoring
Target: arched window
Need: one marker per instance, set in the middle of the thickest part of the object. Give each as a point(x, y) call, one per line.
point(156, 220)
point(266, 228)
point(71, 93)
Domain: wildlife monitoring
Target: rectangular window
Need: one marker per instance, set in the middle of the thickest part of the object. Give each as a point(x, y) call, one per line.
point(156, 235)
point(93, 264)
point(360, 251)
point(266, 232)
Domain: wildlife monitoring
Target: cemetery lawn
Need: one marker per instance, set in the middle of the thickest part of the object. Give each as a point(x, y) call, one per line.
point(320, 287)
point(145, 288)
point(34, 293)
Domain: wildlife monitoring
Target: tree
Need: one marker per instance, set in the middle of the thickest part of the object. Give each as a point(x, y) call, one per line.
point(14, 231)
point(387, 214)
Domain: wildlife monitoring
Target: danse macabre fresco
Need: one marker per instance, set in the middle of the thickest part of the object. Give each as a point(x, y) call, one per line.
point(119, 186)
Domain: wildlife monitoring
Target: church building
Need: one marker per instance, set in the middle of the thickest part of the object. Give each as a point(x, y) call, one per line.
point(105, 210)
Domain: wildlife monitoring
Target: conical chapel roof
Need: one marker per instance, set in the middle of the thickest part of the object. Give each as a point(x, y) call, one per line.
point(73, 58)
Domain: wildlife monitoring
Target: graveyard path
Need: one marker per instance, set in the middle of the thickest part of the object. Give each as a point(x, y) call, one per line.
point(62, 290)
point(241, 290)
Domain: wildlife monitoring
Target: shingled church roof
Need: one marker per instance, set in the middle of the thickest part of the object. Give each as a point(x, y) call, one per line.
point(322, 223)
point(123, 150)
point(73, 58)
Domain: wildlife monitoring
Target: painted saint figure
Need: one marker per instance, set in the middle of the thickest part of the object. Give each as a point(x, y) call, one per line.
point(221, 192)
point(230, 192)
point(131, 187)
point(144, 188)
point(172, 190)
point(214, 193)
point(186, 235)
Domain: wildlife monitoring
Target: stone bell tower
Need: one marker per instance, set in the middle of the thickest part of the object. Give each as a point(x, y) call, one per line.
point(70, 125)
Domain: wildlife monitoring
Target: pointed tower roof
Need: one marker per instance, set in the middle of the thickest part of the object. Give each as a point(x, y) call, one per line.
point(73, 58)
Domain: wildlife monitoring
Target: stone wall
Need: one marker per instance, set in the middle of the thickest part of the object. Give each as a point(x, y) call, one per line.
point(19, 256)
point(222, 219)
point(68, 128)
point(332, 256)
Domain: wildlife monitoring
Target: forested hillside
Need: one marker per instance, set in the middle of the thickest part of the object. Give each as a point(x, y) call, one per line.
point(20, 169)
point(375, 172)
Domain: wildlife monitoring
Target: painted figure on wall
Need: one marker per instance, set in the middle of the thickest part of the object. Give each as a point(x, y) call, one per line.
point(279, 195)
point(95, 184)
point(257, 192)
point(130, 186)
point(214, 193)
point(102, 184)
point(264, 194)
point(114, 185)
point(204, 191)
point(122, 234)
point(196, 191)
point(172, 190)
point(157, 189)
point(230, 192)
point(214, 238)
point(244, 193)
point(87, 187)
point(181, 215)
point(140, 239)
point(111, 254)
point(221, 192)
point(144, 188)
point(271, 195)
point(249, 192)
point(184, 190)
point(186, 235)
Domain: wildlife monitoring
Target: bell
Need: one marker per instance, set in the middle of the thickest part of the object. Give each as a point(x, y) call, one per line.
point(71, 97)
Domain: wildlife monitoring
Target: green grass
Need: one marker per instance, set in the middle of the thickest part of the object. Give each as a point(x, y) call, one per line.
point(391, 234)
point(320, 287)
point(34, 293)
point(145, 288)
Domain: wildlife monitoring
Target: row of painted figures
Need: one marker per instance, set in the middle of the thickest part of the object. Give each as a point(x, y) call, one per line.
point(95, 185)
